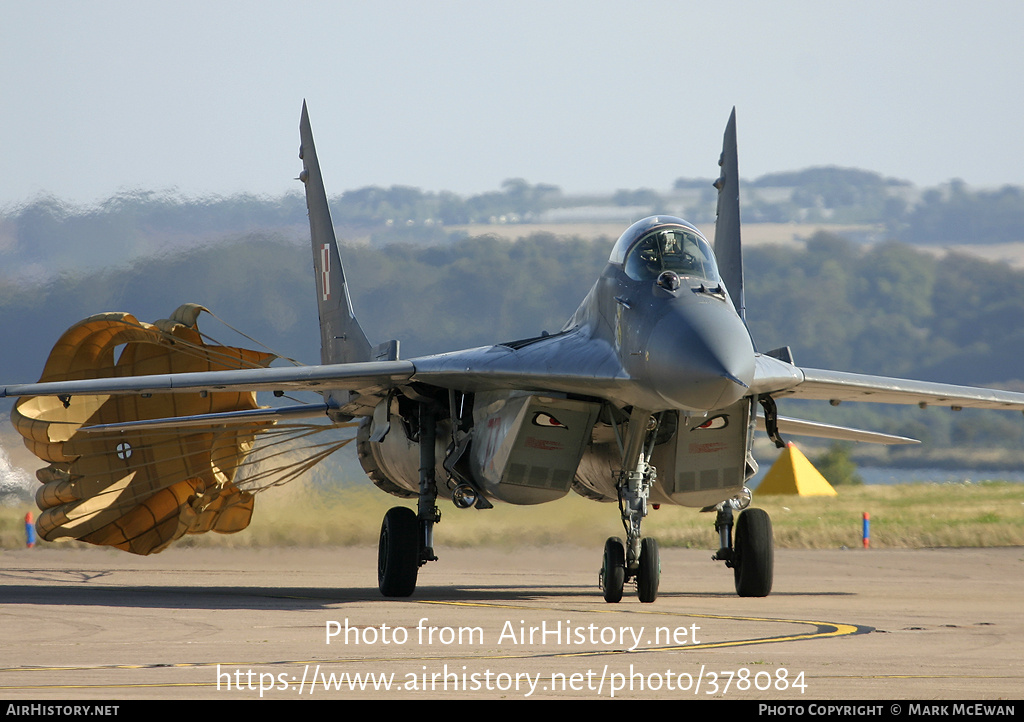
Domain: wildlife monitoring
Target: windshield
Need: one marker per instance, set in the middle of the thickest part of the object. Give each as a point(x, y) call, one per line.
point(671, 248)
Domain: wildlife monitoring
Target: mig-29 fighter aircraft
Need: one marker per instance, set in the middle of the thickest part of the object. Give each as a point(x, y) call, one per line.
point(648, 395)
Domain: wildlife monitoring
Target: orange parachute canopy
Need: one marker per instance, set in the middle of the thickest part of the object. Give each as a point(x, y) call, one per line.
point(138, 490)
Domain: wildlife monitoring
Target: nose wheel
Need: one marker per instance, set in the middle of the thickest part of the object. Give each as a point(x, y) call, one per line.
point(613, 570)
point(615, 573)
point(648, 575)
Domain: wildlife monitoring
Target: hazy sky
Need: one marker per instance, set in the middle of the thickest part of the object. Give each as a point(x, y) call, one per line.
point(204, 97)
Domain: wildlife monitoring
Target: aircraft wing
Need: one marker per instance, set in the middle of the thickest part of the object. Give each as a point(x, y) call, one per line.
point(532, 367)
point(529, 369)
point(783, 380)
point(247, 416)
point(368, 377)
point(802, 427)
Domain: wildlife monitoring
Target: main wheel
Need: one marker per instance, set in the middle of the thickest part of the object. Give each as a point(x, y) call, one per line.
point(649, 574)
point(398, 553)
point(754, 554)
point(613, 570)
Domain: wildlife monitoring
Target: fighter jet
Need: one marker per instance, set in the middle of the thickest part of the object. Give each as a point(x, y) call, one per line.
point(649, 394)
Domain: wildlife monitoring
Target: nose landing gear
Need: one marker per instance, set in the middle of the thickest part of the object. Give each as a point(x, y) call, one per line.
point(639, 559)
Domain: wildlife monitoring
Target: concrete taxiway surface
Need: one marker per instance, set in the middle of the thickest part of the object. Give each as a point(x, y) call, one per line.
point(221, 624)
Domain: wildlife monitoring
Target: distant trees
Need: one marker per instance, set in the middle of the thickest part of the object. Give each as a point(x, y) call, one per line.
point(888, 309)
point(373, 206)
point(52, 236)
point(839, 195)
point(960, 216)
point(138, 223)
point(953, 214)
point(837, 466)
point(643, 197)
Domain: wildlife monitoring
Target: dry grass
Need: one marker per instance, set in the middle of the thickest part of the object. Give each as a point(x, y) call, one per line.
point(904, 516)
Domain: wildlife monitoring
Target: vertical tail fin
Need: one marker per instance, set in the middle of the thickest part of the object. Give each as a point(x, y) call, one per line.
point(728, 250)
point(341, 338)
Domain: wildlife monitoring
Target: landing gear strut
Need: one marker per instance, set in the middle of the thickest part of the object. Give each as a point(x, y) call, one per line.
point(407, 537)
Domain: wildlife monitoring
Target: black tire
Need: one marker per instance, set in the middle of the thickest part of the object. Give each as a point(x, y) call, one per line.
point(649, 574)
point(398, 553)
point(613, 570)
point(754, 554)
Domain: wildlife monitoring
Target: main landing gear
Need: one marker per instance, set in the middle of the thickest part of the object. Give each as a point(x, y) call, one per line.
point(407, 537)
point(752, 554)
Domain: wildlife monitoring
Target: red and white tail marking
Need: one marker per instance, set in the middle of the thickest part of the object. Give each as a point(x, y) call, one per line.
point(325, 271)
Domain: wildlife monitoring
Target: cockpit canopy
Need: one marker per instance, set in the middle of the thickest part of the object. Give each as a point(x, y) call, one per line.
point(663, 243)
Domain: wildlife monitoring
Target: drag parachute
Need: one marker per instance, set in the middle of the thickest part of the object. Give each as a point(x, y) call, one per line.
point(139, 490)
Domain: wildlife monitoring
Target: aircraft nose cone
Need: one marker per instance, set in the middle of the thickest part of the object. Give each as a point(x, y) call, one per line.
point(700, 357)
